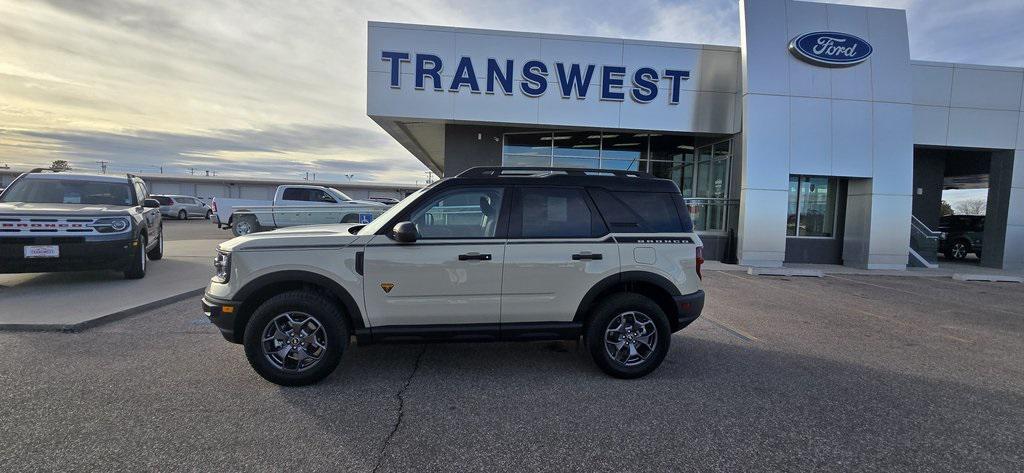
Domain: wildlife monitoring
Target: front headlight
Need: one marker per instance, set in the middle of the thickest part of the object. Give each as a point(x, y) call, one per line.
point(222, 267)
point(111, 224)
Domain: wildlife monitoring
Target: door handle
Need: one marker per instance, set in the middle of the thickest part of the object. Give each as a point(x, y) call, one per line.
point(475, 256)
point(590, 256)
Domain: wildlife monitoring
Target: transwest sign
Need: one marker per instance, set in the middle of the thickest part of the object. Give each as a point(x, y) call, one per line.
point(573, 80)
point(830, 49)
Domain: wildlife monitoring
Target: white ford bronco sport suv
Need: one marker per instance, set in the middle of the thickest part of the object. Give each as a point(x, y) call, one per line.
point(493, 254)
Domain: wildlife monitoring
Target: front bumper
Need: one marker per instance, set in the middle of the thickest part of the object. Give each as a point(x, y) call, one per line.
point(222, 314)
point(688, 309)
point(76, 254)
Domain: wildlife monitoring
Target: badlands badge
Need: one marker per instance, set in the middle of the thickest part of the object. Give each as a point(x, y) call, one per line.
point(386, 286)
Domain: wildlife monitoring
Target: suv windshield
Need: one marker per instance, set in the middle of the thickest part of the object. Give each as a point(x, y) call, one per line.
point(382, 219)
point(69, 191)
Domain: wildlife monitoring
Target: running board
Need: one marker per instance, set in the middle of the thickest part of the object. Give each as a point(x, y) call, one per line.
point(921, 261)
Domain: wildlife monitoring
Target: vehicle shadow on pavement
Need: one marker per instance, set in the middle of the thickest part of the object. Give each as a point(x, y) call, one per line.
point(717, 405)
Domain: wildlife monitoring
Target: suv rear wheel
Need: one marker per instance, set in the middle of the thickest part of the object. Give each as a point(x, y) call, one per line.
point(628, 335)
point(959, 249)
point(296, 338)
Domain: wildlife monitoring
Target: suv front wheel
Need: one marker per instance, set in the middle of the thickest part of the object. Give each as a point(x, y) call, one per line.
point(628, 335)
point(296, 338)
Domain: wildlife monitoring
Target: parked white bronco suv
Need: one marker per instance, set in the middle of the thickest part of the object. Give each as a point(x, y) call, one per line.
point(491, 254)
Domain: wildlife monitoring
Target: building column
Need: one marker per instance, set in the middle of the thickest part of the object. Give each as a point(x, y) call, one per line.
point(877, 227)
point(1013, 245)
point(764, 181)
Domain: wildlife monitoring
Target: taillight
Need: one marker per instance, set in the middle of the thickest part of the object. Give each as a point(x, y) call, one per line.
point(213, 205)
point(700, 260)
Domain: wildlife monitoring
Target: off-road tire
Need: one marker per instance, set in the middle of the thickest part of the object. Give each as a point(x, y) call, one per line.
point(605, 312)
point(300, 301)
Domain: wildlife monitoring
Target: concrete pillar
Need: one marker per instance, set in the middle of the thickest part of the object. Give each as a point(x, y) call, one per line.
point(1013, 245)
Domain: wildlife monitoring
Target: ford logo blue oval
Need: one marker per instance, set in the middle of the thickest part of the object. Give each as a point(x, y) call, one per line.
point(830, 48)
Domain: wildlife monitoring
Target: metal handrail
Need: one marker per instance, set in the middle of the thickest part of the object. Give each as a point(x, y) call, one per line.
point(918, 225)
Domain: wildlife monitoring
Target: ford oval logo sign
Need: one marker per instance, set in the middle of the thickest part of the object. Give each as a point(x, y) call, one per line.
point(830, 49)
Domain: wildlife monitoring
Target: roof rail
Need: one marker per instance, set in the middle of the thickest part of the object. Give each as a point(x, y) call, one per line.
point(34, 170)
point(541, 171)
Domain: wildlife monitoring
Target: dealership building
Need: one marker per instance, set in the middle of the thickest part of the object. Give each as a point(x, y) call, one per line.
point(817, 140)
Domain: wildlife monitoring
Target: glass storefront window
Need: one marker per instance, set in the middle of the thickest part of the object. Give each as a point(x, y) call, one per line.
point(577, 145)
point(812, 206)
point(702, 173)
point(624, 146)
point(535, 144)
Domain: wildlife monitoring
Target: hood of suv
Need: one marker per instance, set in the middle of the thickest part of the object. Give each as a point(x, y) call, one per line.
point(85, 210)
point(306, 235)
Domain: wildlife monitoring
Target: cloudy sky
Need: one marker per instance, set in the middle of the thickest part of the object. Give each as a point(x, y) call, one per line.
point(277, 88)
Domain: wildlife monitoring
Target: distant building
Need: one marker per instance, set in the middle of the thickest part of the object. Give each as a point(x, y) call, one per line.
point(245, 188)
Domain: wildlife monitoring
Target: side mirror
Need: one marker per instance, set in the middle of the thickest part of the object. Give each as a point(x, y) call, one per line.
point(404, 232)
point(151, 203)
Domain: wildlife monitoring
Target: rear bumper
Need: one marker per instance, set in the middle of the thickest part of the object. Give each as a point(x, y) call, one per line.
point(222, 314)
point(688, 309)
point(76, 254)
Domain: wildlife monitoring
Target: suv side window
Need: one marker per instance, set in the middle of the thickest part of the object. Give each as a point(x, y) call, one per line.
point(647, 212)
point(556, 212)
point(140, 191)
point(462, 213)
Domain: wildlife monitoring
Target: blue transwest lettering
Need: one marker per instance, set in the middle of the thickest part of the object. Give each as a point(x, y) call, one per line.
point(433, 71)
point(534, 78)
point(464, 75)
point(611, 76)
point(572, 78)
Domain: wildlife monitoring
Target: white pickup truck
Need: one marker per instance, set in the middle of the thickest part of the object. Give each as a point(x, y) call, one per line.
point(293, 205)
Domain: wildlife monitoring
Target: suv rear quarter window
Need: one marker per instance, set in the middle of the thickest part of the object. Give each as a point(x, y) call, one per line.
point(643, 212)
point(556, 212)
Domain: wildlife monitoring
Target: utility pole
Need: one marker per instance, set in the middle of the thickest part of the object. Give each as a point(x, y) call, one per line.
point(103, 166)
point(192, 171)
point(429, 175)
point(307, 176)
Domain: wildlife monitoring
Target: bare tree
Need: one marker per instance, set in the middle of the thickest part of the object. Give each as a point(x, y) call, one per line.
point(60, 165)
point(971, 207)
point(945, 208)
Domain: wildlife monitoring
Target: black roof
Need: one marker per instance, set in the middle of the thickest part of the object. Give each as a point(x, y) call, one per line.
point(611, 179)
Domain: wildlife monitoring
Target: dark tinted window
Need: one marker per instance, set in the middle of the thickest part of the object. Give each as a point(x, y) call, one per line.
point(644, 212)
point(555, 213)
point(163, 200)
point(294, 193)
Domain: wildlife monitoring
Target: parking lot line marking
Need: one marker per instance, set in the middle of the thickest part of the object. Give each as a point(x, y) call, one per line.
point(733, 330)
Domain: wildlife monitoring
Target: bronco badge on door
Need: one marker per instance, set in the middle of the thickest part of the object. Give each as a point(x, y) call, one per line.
point(386, 286)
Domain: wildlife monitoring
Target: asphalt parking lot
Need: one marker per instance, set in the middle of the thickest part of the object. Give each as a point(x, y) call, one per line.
point(837, 373)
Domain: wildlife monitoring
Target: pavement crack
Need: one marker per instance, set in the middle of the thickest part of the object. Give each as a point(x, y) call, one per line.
point(400, 395)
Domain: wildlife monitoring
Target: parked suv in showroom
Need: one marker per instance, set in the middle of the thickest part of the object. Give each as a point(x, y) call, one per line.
point(67, 221)
point(961, 235)
point(491, 254)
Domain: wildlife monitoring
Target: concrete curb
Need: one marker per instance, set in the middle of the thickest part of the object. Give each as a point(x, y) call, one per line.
point(987, 278)
point(103, 319)
point(790, 272)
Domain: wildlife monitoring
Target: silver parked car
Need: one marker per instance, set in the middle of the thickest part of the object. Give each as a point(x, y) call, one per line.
point(182, 207)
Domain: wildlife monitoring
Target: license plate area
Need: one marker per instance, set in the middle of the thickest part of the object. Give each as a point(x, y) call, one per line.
point(42, 251)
